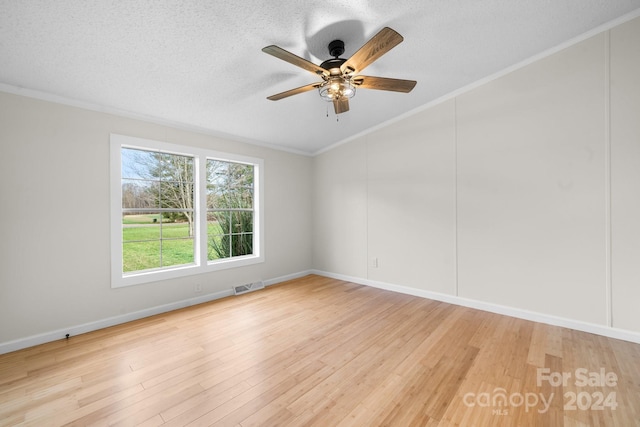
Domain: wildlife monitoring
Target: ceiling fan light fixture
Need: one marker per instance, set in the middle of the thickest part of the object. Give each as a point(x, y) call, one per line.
point(341, 76)
point(337, 88)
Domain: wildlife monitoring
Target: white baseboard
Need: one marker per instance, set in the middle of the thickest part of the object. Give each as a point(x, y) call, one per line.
point(287, 277)
point(593, 328)
point(33, 340)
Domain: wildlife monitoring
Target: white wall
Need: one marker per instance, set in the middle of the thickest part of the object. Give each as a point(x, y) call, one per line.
point(54, 221)
point(531, 186)
point(625, 174)
point(523, 192)
point(411, 202)
point(340, 210)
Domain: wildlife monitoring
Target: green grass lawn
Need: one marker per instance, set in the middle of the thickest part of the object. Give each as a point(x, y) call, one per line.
point(149, 245)
point(140, 219)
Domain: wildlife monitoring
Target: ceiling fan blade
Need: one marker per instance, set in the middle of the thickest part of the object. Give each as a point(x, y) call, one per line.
point(285, 55)
point(341, 105)
point(295, 91)
point(379, 44)
point(384, 83)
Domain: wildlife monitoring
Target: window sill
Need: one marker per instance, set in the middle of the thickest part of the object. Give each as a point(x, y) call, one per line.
point(119, 280)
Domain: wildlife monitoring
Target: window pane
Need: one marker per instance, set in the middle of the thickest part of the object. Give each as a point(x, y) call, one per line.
point(140, 255)
point(213, 224)
point(229, 185)
point(211, 196)
point(218, 247)
point(218, 239)
point(177, 252)
point(176, 186)
point(242, 222)
point(217, 173)
point(246, 198)
point(138, 194)
point(234, 199)
point(174, 167)
point(175, 230)
point(175, 195)
point(140, 228)
point(222, 219)
point(240, 175)
point(139, 164)
point(242, 244)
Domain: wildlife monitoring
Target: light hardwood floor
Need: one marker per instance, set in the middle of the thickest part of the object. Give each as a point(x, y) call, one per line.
point(319, 351)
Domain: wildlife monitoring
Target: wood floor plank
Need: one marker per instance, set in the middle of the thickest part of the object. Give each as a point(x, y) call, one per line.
point(320, 351)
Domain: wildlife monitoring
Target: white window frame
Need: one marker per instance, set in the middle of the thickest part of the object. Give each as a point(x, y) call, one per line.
point(201, 264)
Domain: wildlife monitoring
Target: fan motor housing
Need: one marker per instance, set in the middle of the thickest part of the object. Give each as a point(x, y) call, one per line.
point(332, 63)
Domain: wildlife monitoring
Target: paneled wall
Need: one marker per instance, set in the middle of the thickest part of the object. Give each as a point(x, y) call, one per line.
point(523, 192)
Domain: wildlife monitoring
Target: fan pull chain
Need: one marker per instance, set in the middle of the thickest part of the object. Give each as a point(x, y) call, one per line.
point(337, 116)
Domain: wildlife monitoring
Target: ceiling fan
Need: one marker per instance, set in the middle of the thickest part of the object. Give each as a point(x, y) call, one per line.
point(341, 77)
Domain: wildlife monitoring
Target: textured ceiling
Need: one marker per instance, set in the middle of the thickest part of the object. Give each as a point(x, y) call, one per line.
point(198, 64)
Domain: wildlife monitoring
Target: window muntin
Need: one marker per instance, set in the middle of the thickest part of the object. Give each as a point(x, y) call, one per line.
point(156, 236)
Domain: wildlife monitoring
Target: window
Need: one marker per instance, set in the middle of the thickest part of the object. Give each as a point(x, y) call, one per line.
point(229, 209)
point(180, 210)
point(157, 210)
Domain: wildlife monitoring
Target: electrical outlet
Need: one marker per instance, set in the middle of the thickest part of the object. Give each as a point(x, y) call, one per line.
point(374, 262)
point(197, 288)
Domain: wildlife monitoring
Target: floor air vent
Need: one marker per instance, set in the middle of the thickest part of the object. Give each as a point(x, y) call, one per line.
point(243, 289)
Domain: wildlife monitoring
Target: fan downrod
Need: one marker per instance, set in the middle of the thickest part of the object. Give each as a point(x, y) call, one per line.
point(336, 48)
